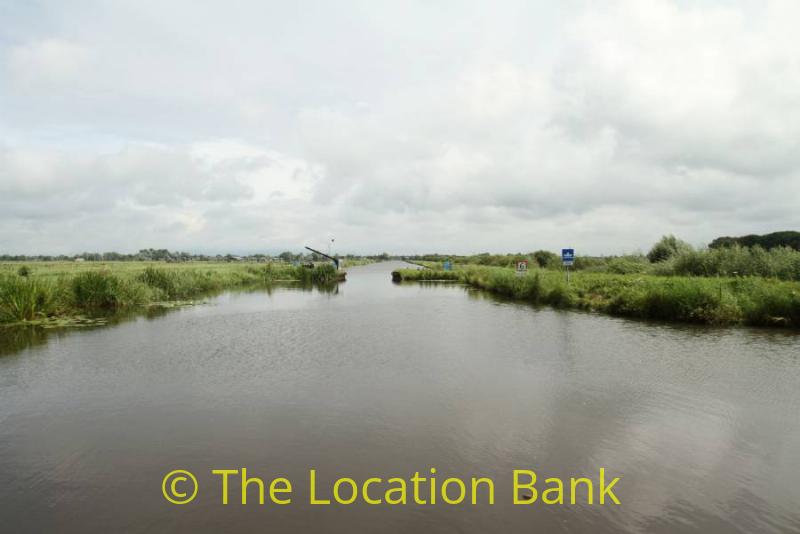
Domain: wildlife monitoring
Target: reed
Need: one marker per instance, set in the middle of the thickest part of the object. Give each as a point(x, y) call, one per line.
point(64, 290)
point(705, 300)
point(23, 298)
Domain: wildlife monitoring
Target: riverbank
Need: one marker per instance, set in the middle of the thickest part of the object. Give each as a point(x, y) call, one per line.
point(724, 301)
point(66, 292)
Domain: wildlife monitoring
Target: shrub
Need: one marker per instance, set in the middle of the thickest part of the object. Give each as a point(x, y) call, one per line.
point(561, 297)
point(781, 262)
point(668, 246)
point(771, 306)
point(546, 259)
point(627, 265)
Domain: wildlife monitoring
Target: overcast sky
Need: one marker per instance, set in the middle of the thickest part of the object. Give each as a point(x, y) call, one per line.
point(407, 127)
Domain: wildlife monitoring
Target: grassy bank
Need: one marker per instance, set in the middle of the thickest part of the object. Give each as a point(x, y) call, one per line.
point(669, 257)
point(48, 291)
point(742, 300)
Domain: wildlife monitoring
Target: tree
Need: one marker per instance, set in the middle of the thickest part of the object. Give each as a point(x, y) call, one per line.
point(668, 246)
point(545, 258)
point(767, 241)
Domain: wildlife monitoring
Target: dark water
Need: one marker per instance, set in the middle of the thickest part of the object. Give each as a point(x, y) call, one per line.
point(377, 379)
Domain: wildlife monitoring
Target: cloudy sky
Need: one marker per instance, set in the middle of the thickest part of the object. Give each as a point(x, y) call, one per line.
point(401, 126)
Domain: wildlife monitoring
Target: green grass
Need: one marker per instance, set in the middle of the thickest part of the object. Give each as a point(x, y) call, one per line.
point(680, 259)
point(22, 298)
point(744, 300)
point(429, 275)
point(46, 291)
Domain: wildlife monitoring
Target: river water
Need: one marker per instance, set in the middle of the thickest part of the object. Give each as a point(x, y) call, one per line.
point(376, 379)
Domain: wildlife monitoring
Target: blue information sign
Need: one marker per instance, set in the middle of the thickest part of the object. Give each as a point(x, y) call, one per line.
point(568, 256)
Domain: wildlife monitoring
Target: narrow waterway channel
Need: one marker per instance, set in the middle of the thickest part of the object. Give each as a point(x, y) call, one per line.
point(376, 379)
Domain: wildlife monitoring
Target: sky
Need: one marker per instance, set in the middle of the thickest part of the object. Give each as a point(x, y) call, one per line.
point(406, 127)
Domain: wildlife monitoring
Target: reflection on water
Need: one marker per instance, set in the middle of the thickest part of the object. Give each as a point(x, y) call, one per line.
point(380, 379)
point(16, 338)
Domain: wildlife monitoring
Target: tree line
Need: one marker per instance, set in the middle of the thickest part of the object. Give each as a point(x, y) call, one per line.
point(165, 255)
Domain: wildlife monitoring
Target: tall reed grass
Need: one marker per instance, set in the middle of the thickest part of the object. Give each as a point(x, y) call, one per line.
point(23, 298)
point(71, 291)
point(729, 300)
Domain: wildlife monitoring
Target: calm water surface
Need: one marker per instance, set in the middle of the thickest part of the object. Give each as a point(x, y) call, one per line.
point(378, 379)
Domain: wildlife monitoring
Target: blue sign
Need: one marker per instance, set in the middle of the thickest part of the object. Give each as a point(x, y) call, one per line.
point(448, 266)
point(568, 256)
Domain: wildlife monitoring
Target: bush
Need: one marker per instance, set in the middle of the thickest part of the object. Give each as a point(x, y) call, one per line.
point(561, 297)
point(627, 265)
point(668, 246)
point(781, 262)
point(771, 306)
point(546, 259)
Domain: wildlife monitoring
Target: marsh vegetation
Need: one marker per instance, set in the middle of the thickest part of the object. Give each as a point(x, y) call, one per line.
point(49, 291)
point(673, 282)
point(723, 300)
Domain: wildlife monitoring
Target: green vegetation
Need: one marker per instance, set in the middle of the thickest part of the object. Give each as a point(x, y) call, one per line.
point(164, 255)
point(21, 298)
point(768, 241)
point(55, 291)
point(429, 275)
point(669, 257)
point(780, 262)
point(750, 300)
point(751, 280)
point(668, 247)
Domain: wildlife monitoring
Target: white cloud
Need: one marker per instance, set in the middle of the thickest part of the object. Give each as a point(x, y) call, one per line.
point(602, 126)
point(47, 63)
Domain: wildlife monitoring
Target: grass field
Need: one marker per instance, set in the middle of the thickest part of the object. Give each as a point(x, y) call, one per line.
point(707, 300)
point(43, 292)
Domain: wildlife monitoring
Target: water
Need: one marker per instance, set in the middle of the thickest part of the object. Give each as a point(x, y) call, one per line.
point(378, 379)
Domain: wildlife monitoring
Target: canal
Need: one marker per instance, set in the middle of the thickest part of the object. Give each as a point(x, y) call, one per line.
point(375, 379)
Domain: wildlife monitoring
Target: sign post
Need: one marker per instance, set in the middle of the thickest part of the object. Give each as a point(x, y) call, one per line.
point(567, 258)
point(522, 267)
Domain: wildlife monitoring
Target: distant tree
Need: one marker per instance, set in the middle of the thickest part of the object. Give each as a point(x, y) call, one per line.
point(668, 246)
point(545, 258)
point(766, 241)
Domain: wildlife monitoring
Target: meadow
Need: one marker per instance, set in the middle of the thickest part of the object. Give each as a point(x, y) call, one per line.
point(748, 300)
point(56, 292)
